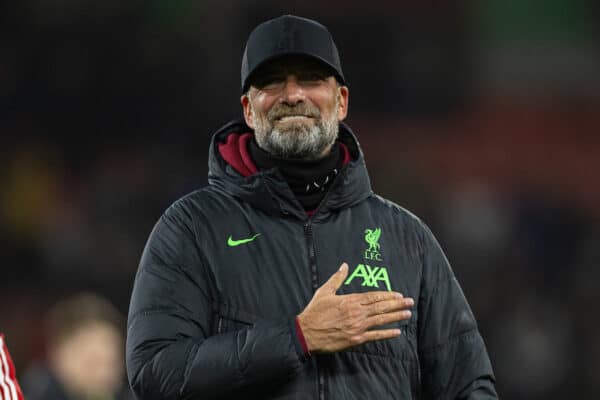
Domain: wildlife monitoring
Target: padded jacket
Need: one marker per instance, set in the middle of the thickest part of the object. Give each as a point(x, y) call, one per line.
point(213, 304)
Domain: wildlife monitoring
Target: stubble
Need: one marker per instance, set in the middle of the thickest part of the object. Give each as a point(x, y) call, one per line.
point(305, 139)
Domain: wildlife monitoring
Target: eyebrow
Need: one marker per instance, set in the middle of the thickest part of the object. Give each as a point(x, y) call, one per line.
point(272, 72)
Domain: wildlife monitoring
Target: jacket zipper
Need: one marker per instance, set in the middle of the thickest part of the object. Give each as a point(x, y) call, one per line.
point(314, 277)
point(315, 285)
point(311, 255)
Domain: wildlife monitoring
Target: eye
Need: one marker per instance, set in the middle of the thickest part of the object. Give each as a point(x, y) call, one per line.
point(311, 77)
point(269, 82)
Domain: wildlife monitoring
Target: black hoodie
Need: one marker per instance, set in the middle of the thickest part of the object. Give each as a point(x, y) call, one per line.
point(228, 267)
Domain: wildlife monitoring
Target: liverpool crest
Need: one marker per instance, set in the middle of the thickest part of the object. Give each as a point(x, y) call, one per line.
point(372, 239)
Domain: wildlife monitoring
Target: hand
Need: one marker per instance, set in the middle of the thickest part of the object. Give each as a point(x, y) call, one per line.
point(333, 322)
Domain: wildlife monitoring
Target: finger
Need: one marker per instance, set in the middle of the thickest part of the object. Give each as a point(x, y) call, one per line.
point(336, 280)
point(377, 296)
point(380, 334)
point(388, 318)
point(387, 306)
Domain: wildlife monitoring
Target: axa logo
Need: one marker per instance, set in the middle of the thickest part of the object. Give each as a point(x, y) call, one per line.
point(371, 276)
point(372, 239)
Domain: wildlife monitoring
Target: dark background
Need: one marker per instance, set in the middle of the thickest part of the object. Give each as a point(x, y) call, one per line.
point(482, 117)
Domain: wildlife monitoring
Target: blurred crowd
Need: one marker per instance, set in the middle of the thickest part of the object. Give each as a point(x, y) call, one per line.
point(482, 117)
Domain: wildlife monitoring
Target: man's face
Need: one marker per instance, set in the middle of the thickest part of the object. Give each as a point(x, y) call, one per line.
point(88, 362)
point(294, 106)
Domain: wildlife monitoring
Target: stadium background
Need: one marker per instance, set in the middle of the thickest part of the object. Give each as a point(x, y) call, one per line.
point(482, 117)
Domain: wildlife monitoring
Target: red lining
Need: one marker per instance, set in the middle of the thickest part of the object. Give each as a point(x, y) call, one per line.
point(235, 152)
point(347, 157)
point(301, 338)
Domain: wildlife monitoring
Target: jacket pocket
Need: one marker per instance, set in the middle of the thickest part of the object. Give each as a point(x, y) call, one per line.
point(228, 318)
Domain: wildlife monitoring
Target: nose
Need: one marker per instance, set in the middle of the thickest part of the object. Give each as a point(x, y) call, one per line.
point(293, 92)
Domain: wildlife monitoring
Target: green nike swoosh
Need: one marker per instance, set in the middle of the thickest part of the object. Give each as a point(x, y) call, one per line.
point(233, 243)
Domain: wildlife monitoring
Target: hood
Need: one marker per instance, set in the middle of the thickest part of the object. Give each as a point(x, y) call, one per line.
point(267, 190)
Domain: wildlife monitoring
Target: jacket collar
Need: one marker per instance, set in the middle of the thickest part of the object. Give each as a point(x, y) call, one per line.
point(268, 191)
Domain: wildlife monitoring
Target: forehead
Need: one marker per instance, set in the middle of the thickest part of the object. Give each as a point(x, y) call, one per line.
point(292, 65)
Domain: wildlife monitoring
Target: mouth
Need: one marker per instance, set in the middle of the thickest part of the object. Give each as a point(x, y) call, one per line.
point(291, 118)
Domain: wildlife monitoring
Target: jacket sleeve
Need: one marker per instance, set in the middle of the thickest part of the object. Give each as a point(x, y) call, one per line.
point(9, 387)
point(454, 360)
point(171, 352)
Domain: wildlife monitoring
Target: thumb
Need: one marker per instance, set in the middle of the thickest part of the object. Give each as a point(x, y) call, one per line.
point(336, 280)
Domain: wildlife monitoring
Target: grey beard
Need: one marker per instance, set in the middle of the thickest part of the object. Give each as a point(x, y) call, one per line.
point(298, 141)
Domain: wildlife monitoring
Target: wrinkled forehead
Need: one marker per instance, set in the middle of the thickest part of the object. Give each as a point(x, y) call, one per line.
point(291, 65)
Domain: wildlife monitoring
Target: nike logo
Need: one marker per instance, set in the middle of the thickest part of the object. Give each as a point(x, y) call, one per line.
point(233, 243)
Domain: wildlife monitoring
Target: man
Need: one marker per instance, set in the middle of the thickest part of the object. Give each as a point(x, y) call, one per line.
point(84, 353)
point(240, 292)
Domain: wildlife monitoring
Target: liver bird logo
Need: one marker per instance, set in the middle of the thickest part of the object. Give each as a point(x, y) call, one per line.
point(372, 238)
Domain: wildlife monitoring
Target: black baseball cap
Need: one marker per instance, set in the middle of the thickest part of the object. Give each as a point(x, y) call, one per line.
point(289, 35)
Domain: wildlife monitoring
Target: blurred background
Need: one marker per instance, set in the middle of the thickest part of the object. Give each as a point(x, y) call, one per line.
point(482, 117)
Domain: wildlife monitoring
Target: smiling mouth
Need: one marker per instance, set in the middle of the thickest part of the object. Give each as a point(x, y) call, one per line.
point(292, 118)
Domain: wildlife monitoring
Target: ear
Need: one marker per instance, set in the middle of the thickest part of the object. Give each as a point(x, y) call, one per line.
point(246, 107)
point(343, 98)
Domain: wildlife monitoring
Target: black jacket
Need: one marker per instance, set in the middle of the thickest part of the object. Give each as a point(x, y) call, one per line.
point(212, 320)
